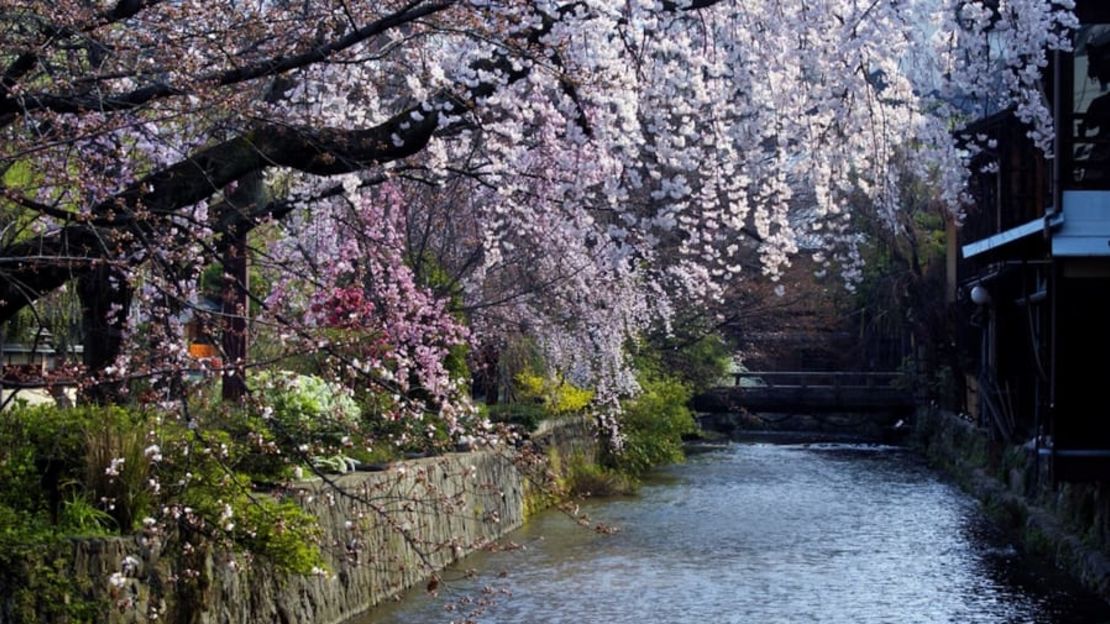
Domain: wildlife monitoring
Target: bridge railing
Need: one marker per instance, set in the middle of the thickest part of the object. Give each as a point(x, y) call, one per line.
point(838, 380)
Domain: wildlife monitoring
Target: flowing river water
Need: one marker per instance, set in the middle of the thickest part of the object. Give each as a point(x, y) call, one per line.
point(764, 533)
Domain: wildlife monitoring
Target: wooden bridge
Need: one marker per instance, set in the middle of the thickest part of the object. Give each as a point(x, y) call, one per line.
point(809, 392)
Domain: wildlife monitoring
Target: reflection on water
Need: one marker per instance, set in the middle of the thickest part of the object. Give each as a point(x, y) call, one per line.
point(767, 533)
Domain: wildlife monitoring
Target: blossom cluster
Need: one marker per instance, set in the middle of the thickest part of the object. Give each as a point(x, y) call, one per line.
point(570, 171)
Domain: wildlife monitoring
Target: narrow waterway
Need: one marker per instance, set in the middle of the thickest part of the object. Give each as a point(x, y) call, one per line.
point(765, 533)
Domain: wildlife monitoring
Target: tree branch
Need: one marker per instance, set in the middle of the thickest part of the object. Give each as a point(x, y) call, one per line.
point(30, 272)
point(269, 67)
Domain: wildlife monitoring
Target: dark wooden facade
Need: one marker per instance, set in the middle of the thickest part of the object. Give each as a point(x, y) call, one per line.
point(1036, 249)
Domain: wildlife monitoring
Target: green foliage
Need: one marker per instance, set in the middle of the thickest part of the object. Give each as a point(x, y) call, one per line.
point(585, 478)
point(937, 382)
point(931, 236)
point(702, 363)
point(35, 574)
point(653, 424)
point(252, 447)
point(279, 531)
point(19, 529)
point(527, 415)
point(901, 295)
point(698, 360)
point(305, 408)
point(53, 466)
point(558, 397)
point(17, 224)
point(379, 454)
point(49, 455)
point(391, 436)
point(305, 413)
point(128, 489)
point(540, 397)
point(455, 364)
point(45, 498)
point(211, 281)
point(80, 517)
point(21, 176)
point(282, 532)
point(519, 354)
point(430, 273)
point(58, 313)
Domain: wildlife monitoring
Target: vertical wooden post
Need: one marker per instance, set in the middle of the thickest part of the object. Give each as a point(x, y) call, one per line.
point(235, 309)
point(951, 256)
point(234, 255)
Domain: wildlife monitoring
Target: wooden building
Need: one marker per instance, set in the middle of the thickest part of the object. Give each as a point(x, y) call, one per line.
point(1033, 267)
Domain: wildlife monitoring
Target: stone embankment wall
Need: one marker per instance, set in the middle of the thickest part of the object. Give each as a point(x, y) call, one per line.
point(382, 532)
point(1068, 524)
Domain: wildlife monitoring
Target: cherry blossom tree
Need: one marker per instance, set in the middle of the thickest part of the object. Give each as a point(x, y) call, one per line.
point(601, 162)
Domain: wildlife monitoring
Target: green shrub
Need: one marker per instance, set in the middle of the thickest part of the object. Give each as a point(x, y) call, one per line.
point(527, 415)
point(539, 398)
point(558, 396)
point(455, 362)
point(253, 448)
point(378, 454)
point(306, 408)
point(278, 531)
point(50, 456)
point(53, 467)
point(127, 491)
point(81, 517)
point(292, 419)
point(282, 532)
point(653, 424)
point(47, 496)
point(699, 361)
point(35, 573)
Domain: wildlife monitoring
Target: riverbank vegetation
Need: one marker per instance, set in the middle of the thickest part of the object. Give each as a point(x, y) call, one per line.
point(98, 472)
point(653, 425)
point(219, 477)
point(219, 480)
point(656, 420)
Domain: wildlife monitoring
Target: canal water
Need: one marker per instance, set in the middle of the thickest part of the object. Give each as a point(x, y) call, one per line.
point(763, 533)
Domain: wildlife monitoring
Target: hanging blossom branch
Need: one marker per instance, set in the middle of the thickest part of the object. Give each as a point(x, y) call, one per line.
point(661, 147)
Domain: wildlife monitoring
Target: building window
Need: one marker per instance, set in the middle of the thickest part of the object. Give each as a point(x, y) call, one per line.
point(1090, 107)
